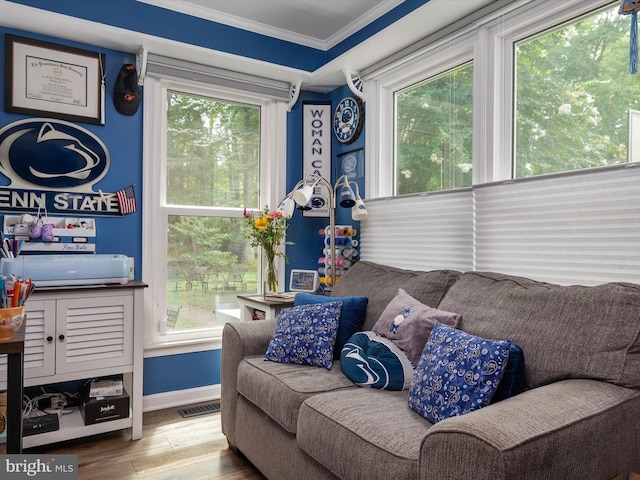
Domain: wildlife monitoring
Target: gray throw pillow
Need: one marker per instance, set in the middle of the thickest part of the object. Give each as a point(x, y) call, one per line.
point(408, 323)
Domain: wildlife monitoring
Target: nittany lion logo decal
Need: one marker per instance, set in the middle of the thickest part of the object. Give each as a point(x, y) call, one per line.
point(51, 154)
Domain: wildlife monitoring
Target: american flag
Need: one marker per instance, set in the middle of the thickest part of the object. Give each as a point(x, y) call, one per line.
point(127, 200)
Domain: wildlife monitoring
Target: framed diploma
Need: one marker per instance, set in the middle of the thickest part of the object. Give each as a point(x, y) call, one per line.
point(47, 79)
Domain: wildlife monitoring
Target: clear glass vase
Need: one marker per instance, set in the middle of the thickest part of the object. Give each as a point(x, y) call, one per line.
point(270, 279)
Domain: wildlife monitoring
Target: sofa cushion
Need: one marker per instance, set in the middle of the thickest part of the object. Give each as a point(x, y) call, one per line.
point(457, 374)
point(352, 316)
point(565, 331)
point(408, 323)
point(279, 389)
point(380, 284)
point(306, 335)
point(372, 433)
point(370, 360)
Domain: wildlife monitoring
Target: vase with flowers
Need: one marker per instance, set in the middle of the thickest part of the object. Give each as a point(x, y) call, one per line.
point(267, 230)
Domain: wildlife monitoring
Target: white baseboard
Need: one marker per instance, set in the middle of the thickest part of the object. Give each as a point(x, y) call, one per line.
point(178, 398)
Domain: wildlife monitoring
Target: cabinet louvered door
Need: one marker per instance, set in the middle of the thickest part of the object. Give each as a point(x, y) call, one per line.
point(94, 333)
point(39, 353)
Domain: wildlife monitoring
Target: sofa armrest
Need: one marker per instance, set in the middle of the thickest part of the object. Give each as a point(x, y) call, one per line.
point(570, 429)
point(239, 340)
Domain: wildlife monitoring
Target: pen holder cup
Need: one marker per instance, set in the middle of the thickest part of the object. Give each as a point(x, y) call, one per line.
point(10, 321)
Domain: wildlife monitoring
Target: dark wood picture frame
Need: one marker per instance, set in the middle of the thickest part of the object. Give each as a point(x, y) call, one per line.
point(51, 80)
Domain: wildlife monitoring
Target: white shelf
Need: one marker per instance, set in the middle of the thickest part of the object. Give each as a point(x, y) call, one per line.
point(72, 426)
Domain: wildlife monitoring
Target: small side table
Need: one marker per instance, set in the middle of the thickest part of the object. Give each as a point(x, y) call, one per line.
point(252, 304)
point(14, 348)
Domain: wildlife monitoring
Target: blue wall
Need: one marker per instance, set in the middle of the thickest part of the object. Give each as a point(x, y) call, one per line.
point(303, 231)
point(122, 135)
point(179, 372)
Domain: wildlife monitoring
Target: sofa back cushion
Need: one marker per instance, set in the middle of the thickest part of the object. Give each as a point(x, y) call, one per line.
point(380, 284)
point(564, 331)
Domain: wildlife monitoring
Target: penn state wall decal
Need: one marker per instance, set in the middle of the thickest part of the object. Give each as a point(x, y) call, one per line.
point(54, 163)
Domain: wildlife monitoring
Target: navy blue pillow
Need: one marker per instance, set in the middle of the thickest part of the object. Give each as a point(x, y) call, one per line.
point(513, 381)
point(354, 310)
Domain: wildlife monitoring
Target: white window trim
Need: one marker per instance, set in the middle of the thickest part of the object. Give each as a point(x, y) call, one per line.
point(272, 189)
point(380, 106)
point(489, 44)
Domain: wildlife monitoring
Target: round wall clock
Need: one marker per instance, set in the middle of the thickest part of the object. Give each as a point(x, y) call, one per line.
point(348, 120)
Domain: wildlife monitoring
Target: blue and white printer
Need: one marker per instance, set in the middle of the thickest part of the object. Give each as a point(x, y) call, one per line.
point(68, 269)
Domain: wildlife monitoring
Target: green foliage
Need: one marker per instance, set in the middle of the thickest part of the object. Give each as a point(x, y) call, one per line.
point(572, 98)
point(213, 158)
point(573, 93)
point(213, 152)
point(434, 133)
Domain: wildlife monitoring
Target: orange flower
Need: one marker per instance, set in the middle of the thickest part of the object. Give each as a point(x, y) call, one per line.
point(261, 223)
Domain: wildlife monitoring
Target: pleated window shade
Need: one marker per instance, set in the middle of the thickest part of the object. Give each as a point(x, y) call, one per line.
point(578, 228)
point(422, 232)
point(581, 228)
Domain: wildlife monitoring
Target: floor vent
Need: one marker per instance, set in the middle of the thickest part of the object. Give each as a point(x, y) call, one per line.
point(199, 410)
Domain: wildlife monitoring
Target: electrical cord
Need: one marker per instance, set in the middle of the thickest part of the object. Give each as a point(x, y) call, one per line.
point(31, 406)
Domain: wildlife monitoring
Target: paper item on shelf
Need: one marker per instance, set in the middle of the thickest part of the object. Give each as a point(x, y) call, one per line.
point(105, 388)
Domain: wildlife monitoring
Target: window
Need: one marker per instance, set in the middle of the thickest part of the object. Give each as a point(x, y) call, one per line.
point(535, 87)
point(573, 95)
point(209, 160)
point(433, 141)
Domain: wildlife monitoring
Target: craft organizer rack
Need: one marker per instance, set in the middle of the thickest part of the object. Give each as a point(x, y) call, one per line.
point(346, 253)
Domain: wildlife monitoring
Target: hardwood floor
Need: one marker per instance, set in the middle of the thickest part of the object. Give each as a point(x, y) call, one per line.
point(171, 448)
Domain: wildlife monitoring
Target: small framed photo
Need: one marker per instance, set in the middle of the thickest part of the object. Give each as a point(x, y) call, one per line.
point(351, 164)
point(47, 79)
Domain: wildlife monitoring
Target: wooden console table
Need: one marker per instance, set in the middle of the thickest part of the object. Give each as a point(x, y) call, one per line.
point(14, 348)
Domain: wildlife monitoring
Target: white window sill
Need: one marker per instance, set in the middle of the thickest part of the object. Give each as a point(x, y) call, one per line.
point(177, 347)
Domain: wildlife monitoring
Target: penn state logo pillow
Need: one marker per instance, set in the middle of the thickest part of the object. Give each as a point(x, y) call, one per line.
point(370, 360)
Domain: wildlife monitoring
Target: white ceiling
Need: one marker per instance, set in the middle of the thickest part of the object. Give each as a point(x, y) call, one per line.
point(315, 23)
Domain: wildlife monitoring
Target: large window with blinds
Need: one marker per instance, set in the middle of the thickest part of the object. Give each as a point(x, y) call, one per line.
point(534, 88)
point(552, 123)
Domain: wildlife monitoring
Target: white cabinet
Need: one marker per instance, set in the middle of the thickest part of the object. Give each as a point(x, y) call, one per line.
point(82, 333)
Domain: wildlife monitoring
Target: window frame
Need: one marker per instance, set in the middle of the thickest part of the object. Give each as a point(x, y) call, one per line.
point(156, 211)
point(489, 43)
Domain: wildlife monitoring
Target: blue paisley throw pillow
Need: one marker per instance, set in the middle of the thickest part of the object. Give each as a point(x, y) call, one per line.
point(370, 360)
point(457, 373)
point(306, 335)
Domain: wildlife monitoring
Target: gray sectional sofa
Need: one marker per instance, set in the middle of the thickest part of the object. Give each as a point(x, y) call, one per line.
point(578, 418)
